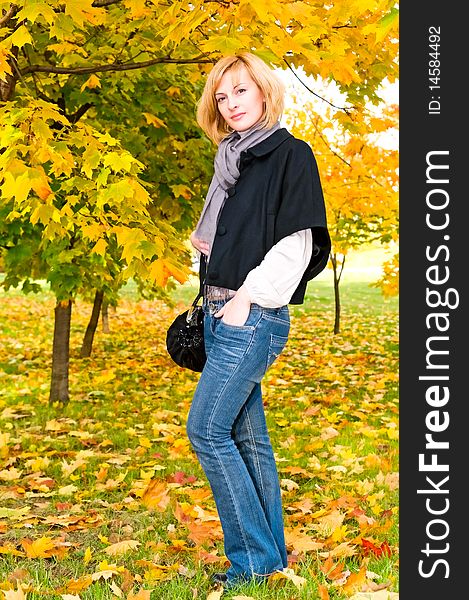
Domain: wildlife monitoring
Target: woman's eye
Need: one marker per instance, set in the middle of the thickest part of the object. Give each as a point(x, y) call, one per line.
point(219, 100)
point(241, 90)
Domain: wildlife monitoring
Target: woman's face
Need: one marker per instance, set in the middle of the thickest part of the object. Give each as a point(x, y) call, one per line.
point(239, 99)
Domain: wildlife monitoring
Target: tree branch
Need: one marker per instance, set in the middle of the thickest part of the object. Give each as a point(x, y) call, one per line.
point(346, 109)
point(113, 66)
point(80, 112)
point(344, 27)
point(326, 143)
point(103, 3)
point(9, 14)
point(341, 269)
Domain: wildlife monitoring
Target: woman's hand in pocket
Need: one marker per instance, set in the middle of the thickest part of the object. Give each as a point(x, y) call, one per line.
point(236, 311)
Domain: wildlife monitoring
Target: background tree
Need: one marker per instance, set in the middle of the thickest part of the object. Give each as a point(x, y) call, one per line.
point(103, 168)
point(359, 178)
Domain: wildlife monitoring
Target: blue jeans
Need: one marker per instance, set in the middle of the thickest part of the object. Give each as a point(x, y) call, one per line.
point(227, 429)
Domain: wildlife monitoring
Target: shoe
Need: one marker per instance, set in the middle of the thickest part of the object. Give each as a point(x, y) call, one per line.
point(219, 578)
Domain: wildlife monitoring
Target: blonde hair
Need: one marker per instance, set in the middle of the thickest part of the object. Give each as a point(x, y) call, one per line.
point(273, 89)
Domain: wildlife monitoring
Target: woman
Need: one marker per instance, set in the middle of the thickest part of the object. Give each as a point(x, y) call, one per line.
point(263, 234)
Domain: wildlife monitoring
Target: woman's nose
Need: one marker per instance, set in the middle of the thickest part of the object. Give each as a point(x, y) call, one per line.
point(232, 103)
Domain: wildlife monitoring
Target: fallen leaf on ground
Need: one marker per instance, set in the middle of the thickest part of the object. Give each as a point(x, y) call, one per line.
point(156, 495)
point(290, 575)
point(216, 595)
point(141, 595)
point(15, 594)
point(355, 581)
point(44, 547)
point(297, 540)
point(77, 585)
point(323, 592)
point(344, 549)
point(116, 590)
point(106, 571)
point(121, 547)
point(381, 595)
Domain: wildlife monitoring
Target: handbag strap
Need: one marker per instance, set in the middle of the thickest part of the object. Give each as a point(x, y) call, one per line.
point(202, 273)
point(200, 293)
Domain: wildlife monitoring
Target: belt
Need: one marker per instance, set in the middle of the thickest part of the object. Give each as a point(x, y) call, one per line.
point(212, 293)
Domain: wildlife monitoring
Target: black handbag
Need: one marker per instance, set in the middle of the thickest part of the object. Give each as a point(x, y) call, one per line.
point(185, 336)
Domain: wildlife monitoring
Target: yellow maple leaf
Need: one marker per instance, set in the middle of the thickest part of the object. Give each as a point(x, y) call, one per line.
point(140, 595)
point(32, 10)
point(339, 534)
point(10, 474)
point(77, 585)
point(17, 594)
point(106, 571)
point(121, 547)
point(265, 9)
point(19, 37)
point(137, 8)
point(355, 581)
point(100, 247)
point(330, 522)
point(175, 271)
point(153, 120)
point(300, 541)
point(18, 187)
point(378, 595)
point(287, 574)
point(92, 82)
point(87, 555)
point(343, 549)
point(9, 548)
point(41, 187)
point(156, 495)
point(159, 273)
point(67, 48)
point(5, 68)
point(116, 589)
point(82, 11)
point(119, 161)
point(181, 190)
point(44, 547)
point(215, 595)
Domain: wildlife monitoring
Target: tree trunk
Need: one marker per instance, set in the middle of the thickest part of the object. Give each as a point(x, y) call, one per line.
point(87, 345)
point(337, 275)
point(105, 317)
point(59, 392)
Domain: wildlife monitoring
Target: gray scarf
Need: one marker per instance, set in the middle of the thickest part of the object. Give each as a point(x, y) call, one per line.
point(226, 174)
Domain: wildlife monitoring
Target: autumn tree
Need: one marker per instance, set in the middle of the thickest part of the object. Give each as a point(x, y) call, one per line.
point(359, 177)
point(102, 166)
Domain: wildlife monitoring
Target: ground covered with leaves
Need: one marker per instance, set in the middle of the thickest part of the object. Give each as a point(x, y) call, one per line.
point(105, 499)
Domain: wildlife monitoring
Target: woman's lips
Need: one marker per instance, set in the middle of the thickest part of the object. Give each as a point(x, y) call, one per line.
point(236, 117)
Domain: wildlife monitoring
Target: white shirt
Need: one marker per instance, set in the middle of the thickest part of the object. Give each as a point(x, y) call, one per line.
point(272, 283)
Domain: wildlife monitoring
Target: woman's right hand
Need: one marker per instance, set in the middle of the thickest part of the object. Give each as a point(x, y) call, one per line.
point(199, 244)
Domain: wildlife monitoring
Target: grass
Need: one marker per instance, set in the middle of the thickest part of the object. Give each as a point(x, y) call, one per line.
point(80, 472)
